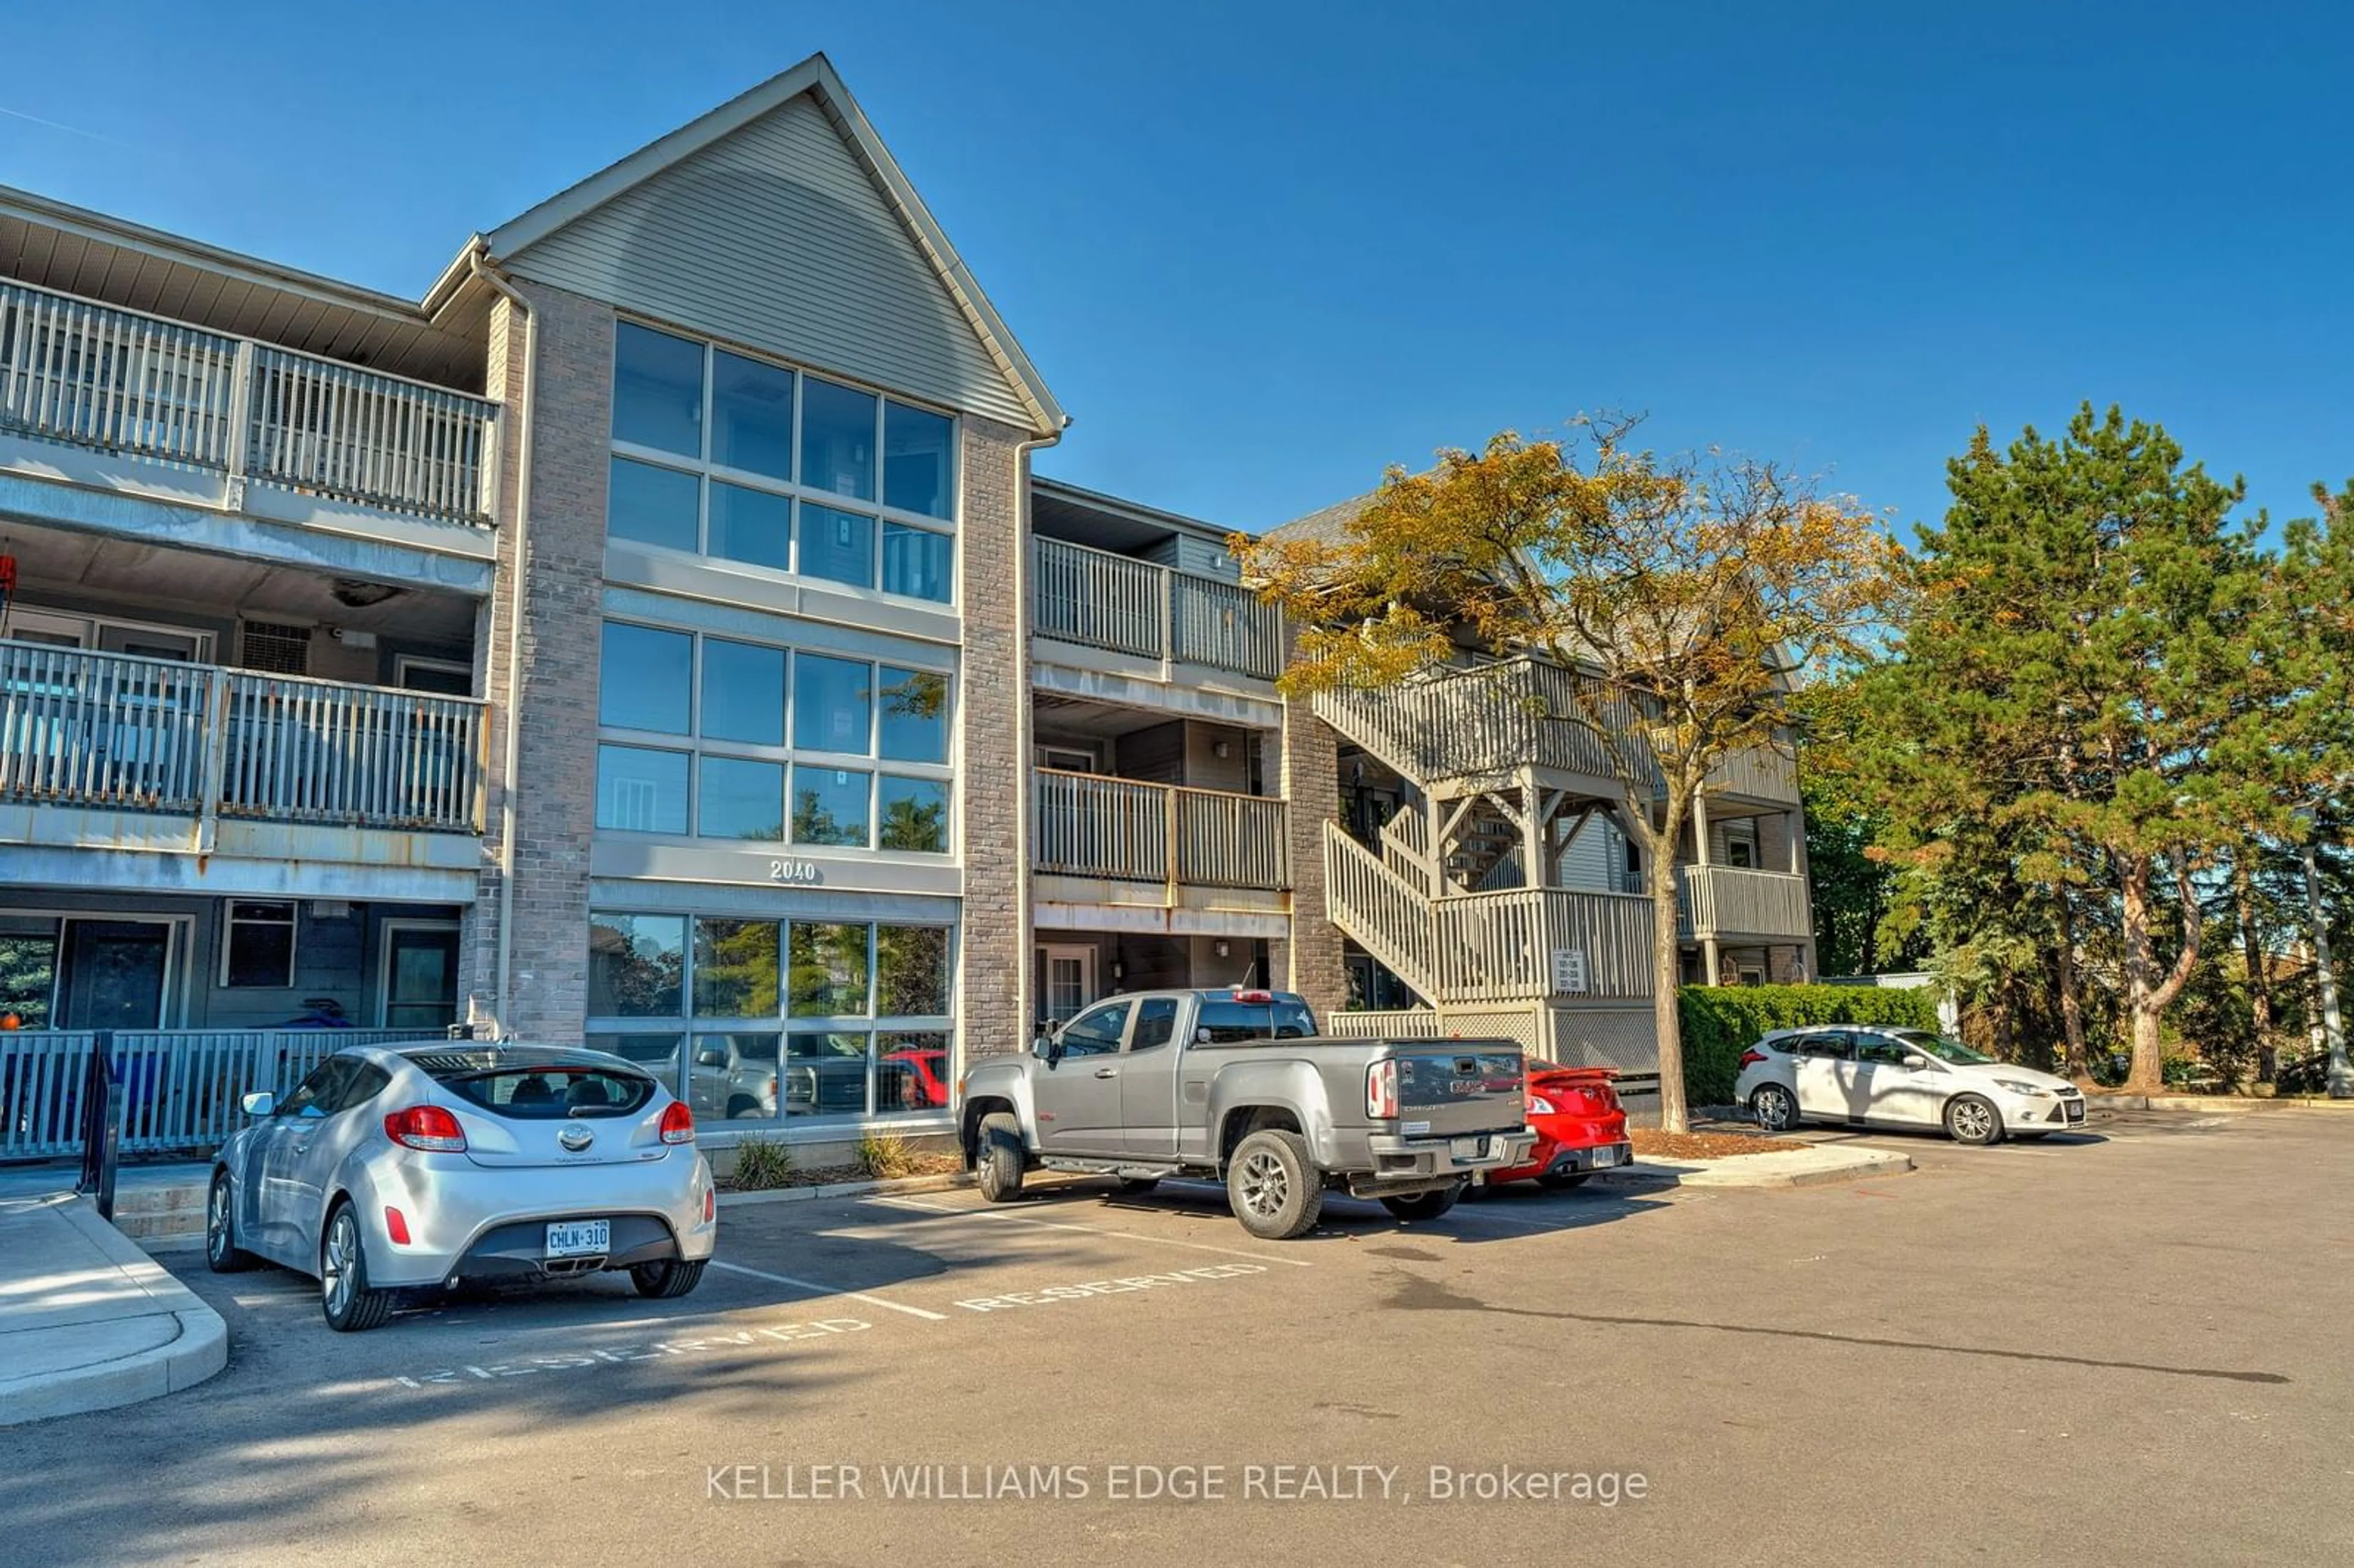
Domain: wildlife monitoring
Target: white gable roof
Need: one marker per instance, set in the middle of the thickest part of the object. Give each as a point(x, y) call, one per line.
point(780, 220)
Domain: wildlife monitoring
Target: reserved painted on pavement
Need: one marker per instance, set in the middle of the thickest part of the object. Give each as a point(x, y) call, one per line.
point(659, 1349)
point(1095, 1287)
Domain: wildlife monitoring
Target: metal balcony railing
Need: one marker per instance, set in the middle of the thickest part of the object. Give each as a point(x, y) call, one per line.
point(1737, 901)
point(1123, 830)
point(1127, 606)
point(96, 375)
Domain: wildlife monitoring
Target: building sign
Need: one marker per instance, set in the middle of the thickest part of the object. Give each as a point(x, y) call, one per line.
point(800, 873)
point(1569, 971)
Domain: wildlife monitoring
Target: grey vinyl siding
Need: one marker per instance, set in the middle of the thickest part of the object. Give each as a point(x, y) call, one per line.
point(774, 237)
point(1595, 858)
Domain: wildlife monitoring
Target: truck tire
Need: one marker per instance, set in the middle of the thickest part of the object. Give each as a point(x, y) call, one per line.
point(1272, 1186)
point(1423, 1205)
point(998, 1158)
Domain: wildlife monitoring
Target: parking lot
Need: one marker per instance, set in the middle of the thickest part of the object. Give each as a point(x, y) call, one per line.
point(2127, 1346)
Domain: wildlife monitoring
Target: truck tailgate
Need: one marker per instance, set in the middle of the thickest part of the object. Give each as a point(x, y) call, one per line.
point(1467, 1086)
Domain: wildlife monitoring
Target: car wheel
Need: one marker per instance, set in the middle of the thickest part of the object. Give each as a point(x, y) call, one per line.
point(667, 1280)
point(1272, 1186)
point(1972, 1118)
point(742, 1108)
point(1138, 1186)
point(1423, 1205)
point(1776, 1107)
point(222, 1254)
point(1564, 1181)
point(344, 1295)
point(997, 1157)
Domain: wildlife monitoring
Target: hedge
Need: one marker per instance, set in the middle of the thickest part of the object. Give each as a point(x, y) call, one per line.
point(1721, 1022)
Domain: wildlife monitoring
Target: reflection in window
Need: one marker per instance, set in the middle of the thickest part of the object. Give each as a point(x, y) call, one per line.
point(640, 790)
point(743, 692)
point(737, 799)
point(657, 390)
point(832, 711)
point(914, 716)
point(735, 968)
point(751, 526)
point(636, 963)
point(645, 678)
point(826, 1074)
point(733, 1077)
point(911, 972)
point(918, 562)
point(914, 814)
point(919, 460)
point(652, 505)
point(837, 439)
point(830, 806)
point(837, 546)
point(829, 970)
point(751, 415)
point(911, 1073)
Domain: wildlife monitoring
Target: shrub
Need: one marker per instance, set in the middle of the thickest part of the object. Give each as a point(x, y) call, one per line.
point(1721, 1022)
point(760, 1162)
point(885, 1156)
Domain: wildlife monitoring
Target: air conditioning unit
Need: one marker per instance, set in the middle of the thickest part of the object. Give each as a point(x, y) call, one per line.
point(274, 648)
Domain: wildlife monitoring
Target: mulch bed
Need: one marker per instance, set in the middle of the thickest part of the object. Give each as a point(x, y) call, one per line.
point(833, 1175)
point(1705, 1145)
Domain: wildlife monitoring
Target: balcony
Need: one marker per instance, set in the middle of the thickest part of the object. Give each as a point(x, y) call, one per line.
point(259, 419)
point(108, 751)
point(1119, 605)
point(1122, 830)
point(1733, 901)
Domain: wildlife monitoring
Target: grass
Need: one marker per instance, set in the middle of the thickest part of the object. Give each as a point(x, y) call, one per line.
point(760, 1162)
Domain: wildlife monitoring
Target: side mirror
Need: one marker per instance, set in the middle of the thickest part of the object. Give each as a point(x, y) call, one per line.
point(711, 1058)
point(1201, 1037)
point(1916, 1061)
point(260, 1103)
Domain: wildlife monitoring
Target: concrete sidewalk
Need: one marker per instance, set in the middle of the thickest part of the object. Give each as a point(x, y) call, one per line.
point(1809, 1167)
point(87, 1320)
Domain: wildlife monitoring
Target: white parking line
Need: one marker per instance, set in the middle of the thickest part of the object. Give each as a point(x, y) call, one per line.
point(829, 1291)
point(1088, 1230)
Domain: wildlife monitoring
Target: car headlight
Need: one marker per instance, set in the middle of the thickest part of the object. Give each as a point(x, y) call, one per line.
point(2032, 1091)
point(1539, 1105)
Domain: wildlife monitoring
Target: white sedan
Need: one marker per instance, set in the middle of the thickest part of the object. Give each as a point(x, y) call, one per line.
point(1899, 1078)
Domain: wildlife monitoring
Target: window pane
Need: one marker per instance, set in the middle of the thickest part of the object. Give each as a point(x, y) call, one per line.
point(733, 1077)
point(743, 692)
point(911, 972)
point(740, 800)
point(657, 390)
point(830, 806)
point(912, 814)
point(837, 439)
point(735, 968)
point(914, 716)
point(261, 946)
point(635, 963)
point(645, 678)
point(751, 526)
point(837, 546)
point(831, 708)
point(652, 505)
point(826, 1074)
point(911, 1073)
point(657, 1054)
point(829, 970)
point(751, 416)
point(918, 562)
point(639, 790)
point(919, 460)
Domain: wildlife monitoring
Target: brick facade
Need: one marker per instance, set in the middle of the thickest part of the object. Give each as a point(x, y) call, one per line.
point(994, 771)
point(556, 646)
point(1312, 782)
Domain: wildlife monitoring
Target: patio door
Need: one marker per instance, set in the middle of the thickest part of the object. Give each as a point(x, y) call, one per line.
point(117, 974)
point(1067, 981)
point(420, 975)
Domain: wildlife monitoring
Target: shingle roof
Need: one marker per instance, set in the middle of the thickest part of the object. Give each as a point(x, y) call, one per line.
point(1329, 525)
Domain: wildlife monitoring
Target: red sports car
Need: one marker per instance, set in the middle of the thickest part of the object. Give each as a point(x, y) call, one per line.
point(1581, 1127)
point(914, 1079)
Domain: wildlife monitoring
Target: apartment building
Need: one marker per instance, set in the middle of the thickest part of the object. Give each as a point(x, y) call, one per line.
point(653, 634)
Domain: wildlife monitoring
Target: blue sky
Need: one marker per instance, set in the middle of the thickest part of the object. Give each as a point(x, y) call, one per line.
point(1261, 250)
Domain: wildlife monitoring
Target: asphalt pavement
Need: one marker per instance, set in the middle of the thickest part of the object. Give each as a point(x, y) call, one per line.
point(2122, 1347)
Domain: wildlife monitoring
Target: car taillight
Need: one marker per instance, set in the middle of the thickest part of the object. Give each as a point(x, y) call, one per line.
point(1539, 1105)
point(428, 1127)
point(677, 1123)
point(1750, 1058)
point(710, 1204)
point(1381, 1090)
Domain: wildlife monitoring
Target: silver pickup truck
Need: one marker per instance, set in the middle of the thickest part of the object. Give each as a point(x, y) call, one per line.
point(1238, 1085)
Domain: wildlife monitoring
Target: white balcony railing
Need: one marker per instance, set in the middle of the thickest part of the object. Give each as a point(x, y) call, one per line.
point(114, 732)
point(1123, 830)
point(95, 375)
point(1127, 606)
point(1729, 900)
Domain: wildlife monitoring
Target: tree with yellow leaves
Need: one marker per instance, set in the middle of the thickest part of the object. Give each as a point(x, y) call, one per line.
point(1692, 594)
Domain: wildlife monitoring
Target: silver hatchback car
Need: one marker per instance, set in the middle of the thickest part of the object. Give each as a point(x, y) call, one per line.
point(399, 1168)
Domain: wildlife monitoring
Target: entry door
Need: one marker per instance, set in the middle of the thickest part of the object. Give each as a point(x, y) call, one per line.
point(420, 977)
point(1067, 981)
point(117, 974)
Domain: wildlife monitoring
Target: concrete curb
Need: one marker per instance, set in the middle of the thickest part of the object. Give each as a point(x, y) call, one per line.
point(1816, 1166)
point(845, 1190)
point(176, 1343)
point(2218, 1102)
